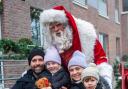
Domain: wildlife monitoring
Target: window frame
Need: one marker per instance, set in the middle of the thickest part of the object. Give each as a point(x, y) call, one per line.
point(118, 52)
point(103, 38)
point(117, 17)
point(77, 2)
point(0, 27)
point(100, 9)
point(35, 20)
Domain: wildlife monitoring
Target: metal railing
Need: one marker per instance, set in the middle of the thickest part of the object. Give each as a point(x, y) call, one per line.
point(10, 71)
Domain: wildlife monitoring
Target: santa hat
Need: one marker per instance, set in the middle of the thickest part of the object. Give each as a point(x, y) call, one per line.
point(91, 70)
point(59, 14)
point(52, 55)
point(78, 59)
point(34, 52)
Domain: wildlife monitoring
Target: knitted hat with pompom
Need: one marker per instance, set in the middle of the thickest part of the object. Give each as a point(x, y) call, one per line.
point(91, 70)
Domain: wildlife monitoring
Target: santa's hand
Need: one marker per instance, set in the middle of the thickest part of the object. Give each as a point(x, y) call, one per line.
point(46, 88)
point(106, 72)
point(63, 87)
point(108, 80)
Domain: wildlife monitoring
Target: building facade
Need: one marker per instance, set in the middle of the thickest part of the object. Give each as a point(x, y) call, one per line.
point(124, 27)
point(20, 19)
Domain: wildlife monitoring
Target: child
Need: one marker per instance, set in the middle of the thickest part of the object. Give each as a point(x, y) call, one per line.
point(55, 73)
point(76, 65)
point(90, 76)
point(92, 80)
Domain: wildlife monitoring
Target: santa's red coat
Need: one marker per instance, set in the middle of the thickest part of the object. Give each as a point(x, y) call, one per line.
point(99, 54)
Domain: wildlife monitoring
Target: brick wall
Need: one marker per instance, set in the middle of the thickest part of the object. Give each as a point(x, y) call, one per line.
point(16, 19)
point(124, 24)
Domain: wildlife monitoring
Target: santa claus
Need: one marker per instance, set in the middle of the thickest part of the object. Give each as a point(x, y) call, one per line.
point(69, 34)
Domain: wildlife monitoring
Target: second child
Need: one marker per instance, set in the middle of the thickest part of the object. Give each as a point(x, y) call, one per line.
point(55, 73)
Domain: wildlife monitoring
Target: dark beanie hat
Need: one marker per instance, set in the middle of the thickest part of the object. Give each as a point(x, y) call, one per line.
point(34, 52)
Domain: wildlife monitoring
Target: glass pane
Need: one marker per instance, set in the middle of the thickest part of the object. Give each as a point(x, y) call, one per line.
point(82, 2)
point(116, 10)
point(102, 8)
point(35, 26)
point(117, 46)
point(103, 40)
point(0, 73)
point(0, 26)
point(116, 15)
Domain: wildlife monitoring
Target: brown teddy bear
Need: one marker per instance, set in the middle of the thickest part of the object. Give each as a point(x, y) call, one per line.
point(43, 83)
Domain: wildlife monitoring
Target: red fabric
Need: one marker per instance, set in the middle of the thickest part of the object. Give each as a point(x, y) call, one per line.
point(126, 82)
point(76, 39)
point(99, 54)
point(66, 56)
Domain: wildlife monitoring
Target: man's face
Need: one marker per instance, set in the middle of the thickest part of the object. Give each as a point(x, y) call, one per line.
point(37, 64)
point(61, 36)
point(75, 72)
point(90, 83)
point(53, 67)
point(56, 27)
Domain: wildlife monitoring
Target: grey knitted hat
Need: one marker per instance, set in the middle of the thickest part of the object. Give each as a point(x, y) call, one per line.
point(78, 59)
point(52, 55)
point(91, 70)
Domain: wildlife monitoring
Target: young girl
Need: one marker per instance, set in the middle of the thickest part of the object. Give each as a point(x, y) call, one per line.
point(54, 72)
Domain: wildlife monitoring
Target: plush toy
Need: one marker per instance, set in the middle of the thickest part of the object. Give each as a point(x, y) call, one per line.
point(43, 83)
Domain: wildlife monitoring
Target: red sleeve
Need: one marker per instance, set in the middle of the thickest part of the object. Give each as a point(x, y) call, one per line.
point(99, 54)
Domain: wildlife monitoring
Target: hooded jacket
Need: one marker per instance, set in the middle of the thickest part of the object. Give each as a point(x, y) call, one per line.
point(26, 82)
point(102, 84)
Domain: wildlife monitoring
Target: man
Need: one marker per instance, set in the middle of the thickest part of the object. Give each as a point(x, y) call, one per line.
point(36, 63)
point(69, 34)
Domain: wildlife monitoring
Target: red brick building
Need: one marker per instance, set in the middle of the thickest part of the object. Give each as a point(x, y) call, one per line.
point(17, 20)
point(124, 25)
point(104, 14)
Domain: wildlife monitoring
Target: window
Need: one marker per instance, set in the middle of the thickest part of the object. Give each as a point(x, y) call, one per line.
point(80, 2)
point(35, 25)
point(102, 8)
point(125, 5)
point(1, 75)
point(117, 11)
point(117, 46)
point(0, 27)
point(93, 3)
point(1, 6)
point(103, 38)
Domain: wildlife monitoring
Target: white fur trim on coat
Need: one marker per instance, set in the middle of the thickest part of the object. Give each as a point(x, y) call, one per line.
point(106, 71)
point(88, 37)
point(52, 15)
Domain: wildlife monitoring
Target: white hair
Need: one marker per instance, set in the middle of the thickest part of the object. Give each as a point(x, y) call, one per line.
point(61, 43)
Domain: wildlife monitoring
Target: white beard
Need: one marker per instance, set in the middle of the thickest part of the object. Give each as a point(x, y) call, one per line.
point(62, 40)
